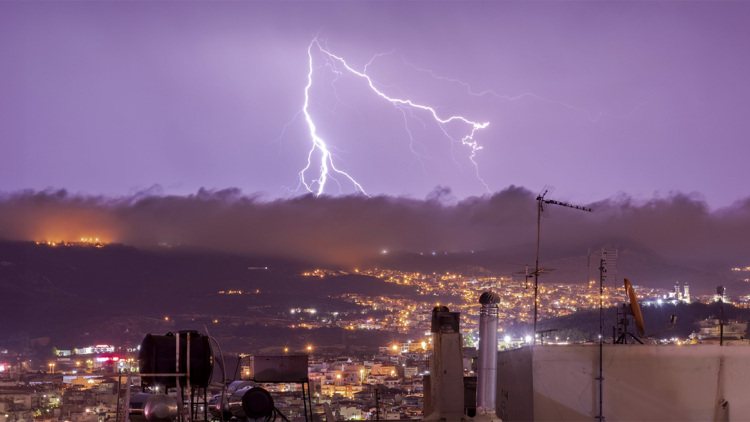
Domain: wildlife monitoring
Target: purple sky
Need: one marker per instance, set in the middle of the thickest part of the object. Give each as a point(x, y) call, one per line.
point(594, 98)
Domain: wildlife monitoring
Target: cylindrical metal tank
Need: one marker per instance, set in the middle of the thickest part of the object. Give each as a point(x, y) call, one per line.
point(146, 407)
point(158, 355)
point(251, 403)
point(215, 405)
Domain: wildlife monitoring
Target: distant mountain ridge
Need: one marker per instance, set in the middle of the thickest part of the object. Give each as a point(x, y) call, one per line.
point(117, 291)
point(643, 266)
point(65, 291)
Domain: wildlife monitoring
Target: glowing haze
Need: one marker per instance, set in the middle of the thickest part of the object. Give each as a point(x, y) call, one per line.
point(350, 230)
point(209, 123)
point(595, 98)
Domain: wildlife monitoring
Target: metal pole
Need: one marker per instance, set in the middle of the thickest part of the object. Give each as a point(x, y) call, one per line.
point(309, 399)
point(540, 201)
point(720, 290)
point(304, 401)
point(205, 404)
point(536, 265)
point(178, 386)
point(126, 410)
point(117, 411)
point(601, 341)
point(189, 415)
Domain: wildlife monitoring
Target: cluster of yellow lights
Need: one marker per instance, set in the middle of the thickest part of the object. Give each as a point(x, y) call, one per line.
point(320, 273)
point(555, 300)
point(239, 292)
point(85, 240)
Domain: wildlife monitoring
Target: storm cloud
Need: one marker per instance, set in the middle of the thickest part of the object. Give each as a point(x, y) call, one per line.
point(349, 230)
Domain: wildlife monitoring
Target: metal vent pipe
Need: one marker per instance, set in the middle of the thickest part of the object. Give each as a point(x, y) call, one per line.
point(487, 367)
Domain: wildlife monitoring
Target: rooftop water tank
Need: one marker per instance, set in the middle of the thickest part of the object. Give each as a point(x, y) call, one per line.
point(158, 356)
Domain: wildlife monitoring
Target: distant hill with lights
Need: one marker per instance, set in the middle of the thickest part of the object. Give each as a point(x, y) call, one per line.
point(90, 292)
point(85, 293)
point(642, 266)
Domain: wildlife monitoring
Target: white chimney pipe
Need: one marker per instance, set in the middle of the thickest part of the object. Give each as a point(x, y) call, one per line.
point(487, 376)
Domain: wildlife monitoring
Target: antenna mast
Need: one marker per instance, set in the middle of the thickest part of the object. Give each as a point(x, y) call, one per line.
point(541, 200)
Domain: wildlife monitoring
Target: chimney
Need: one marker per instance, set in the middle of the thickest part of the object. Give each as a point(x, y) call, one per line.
point(444, 400)
point(487, 367)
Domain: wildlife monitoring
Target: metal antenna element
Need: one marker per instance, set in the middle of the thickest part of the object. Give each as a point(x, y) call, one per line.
point(541, 200)
point(607, 263)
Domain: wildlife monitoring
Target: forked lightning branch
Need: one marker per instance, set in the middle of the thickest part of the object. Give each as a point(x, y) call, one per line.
point(321, 163)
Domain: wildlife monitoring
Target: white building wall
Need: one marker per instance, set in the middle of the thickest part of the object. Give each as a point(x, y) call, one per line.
point(350, 413)
point(664, 383)
point(446, 379)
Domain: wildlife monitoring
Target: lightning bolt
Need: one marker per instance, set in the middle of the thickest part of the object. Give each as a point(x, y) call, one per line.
point(327, 169)
point(591, 115)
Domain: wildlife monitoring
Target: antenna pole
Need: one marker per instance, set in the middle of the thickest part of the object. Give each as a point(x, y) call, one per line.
point(540, 200)
point(602, 270)
point(540, 207)
point(720, 291)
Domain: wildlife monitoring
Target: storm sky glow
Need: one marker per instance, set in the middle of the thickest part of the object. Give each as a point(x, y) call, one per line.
point(209, 123)
point(597, 99)
point(327, 167)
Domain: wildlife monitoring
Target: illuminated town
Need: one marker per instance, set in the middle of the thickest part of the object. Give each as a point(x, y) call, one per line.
point(83, 241)
point(461, 293)
point(88, 383)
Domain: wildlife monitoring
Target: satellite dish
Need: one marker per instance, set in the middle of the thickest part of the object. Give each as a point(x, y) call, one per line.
point(636, 309)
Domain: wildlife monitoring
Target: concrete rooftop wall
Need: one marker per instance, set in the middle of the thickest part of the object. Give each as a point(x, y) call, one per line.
point(645, 383)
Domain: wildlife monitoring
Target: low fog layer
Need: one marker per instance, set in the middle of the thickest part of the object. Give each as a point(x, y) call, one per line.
point(349, 230)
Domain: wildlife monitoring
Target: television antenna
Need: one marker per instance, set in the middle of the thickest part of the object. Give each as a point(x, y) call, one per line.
point(541, 201)
point(530, 274)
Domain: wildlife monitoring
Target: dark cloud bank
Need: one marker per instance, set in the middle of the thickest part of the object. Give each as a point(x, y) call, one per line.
point(350, 230)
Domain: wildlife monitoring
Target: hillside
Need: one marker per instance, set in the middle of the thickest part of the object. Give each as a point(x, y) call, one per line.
point(641, 265)
point(77, 295)
point(119, 293)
